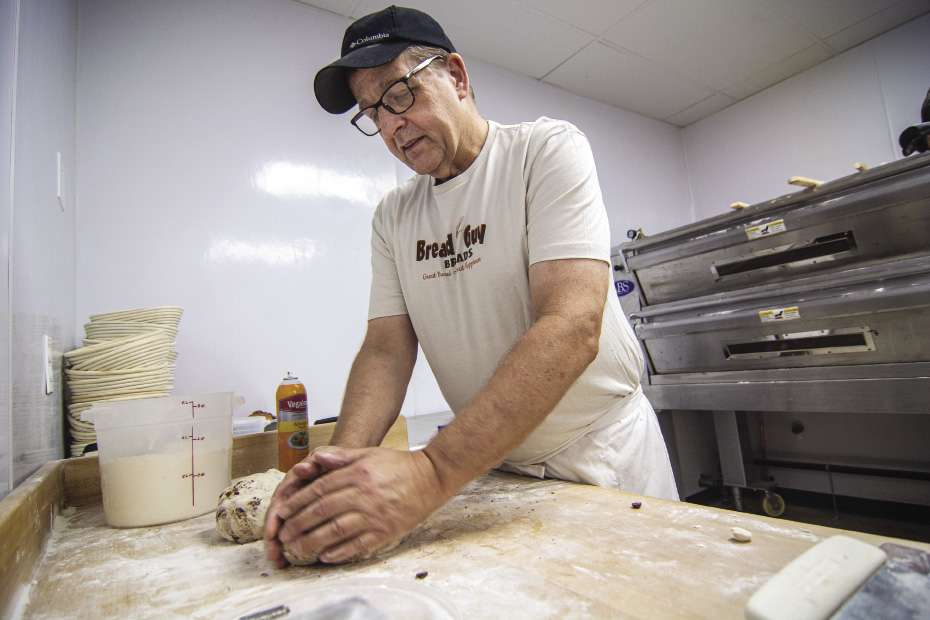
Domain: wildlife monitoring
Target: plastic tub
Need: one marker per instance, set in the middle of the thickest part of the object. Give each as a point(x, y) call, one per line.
point(163, 459)
point(249, 426)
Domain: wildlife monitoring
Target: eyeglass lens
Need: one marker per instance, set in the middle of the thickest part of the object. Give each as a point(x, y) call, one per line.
point(397, 99)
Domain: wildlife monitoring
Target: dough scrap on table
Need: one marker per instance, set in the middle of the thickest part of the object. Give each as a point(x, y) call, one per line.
point(241, 508)
point(740, 534)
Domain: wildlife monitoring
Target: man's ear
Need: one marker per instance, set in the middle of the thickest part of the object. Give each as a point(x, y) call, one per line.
point(456, 67)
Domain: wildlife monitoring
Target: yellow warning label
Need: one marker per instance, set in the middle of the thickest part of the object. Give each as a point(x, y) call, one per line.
point(765, 230)
point(780, 314)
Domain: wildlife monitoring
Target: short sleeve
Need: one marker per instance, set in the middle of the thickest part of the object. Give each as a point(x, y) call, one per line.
point(565, 212)
point(387, 297)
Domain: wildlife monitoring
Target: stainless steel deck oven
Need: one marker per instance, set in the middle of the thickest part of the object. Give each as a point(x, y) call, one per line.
point(817, 301)
point(878, 213)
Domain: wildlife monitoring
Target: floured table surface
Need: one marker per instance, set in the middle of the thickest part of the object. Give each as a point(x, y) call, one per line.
point(506, 547)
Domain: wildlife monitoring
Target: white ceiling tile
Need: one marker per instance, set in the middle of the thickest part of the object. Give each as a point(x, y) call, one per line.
point(627, 81)
point(595, 16)
point(501, 32)
point(340, 7)
point(678, 60)
point(778, 71)
point(713, 42)
point(893, 16)
point(823, 18)
point(701, 109)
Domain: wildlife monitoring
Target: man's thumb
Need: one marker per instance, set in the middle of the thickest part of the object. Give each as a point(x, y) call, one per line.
point(334, 457)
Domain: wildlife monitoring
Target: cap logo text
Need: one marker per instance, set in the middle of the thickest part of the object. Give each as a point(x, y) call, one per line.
point(368, 39)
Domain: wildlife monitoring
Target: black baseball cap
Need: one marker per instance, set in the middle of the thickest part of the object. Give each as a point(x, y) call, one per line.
point(372, 41)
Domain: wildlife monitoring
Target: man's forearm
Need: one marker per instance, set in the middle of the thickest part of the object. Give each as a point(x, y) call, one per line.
point(374, 394)
point(527, 385)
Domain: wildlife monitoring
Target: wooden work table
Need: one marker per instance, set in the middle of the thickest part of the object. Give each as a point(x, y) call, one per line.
point(506, 547)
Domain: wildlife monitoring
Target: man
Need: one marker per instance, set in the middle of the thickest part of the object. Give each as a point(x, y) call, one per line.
point(496, 260)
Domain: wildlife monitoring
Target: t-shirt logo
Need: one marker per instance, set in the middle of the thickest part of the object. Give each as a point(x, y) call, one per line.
point(472, 235)
point(446, 250)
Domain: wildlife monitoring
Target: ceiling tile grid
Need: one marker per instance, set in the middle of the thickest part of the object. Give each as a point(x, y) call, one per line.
point(502, 32)
point(883, 21)
point(701, 109)
point(593, 16)
point(626, 80)
point(672, 60)
point(712, 41)
point(823, 18)
point(777, 71)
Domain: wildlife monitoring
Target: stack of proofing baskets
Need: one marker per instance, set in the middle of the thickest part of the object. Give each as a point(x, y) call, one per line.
point(126, 355)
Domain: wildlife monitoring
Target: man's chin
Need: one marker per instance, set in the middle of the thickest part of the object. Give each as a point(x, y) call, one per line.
point(419, 167)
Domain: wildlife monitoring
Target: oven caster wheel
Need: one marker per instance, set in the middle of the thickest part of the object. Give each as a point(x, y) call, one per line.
point(773, 504)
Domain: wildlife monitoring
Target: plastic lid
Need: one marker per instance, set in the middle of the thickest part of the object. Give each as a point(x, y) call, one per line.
point(245, 426)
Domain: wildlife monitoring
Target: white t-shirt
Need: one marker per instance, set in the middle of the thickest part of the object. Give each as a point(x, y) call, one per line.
point(455, 258)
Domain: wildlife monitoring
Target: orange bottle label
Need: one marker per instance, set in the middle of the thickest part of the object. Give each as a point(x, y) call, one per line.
point(293, 437)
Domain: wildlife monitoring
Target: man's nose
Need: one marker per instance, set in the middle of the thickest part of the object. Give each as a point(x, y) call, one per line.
point(390, 123)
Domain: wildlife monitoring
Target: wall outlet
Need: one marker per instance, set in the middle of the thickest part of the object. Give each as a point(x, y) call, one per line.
point(47, 364)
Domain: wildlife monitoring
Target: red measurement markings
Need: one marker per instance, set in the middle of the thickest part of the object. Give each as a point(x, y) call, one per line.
point(194, 474)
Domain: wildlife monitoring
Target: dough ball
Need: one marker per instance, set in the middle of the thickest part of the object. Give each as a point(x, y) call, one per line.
point(240, 513)
point(740, 535)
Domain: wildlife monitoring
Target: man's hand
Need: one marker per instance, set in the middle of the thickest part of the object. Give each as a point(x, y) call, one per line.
point(359, 502)
point(294, 480)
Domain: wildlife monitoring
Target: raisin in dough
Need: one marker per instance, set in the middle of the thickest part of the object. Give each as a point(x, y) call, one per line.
point(240, 514)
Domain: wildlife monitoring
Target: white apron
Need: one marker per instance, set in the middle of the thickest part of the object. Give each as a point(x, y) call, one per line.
point(624, 450)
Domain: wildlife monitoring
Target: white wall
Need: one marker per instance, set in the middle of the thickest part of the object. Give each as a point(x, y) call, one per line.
point(192, 115)
point(848, 109)
point(8, 29)
point(640, 163)
point(42, 232)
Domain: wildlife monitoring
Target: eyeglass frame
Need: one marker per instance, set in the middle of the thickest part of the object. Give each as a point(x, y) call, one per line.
point(381, 104)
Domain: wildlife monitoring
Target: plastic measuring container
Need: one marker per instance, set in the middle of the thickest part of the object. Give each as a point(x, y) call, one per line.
point(163, 459)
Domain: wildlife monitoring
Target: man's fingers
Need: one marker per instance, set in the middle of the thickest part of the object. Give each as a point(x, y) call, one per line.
point(332, 482)
point(299, 475)
point(306, 470)
point(295, 479)
point(350, 476)
point(332, 457)
point(274, 552)
point(272, 520)
point(320, 510)
point(272, 525)
point(358, 548)
point(335, 532)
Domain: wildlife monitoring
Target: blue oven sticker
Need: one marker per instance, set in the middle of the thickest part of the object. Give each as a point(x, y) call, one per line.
point(624, 287)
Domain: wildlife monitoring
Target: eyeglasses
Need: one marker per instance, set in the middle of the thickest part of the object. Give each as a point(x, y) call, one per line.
point(396, 99)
